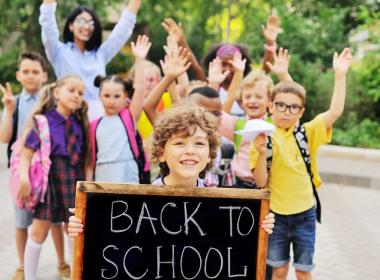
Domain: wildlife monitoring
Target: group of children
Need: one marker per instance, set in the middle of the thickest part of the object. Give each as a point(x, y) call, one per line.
point(186, 140)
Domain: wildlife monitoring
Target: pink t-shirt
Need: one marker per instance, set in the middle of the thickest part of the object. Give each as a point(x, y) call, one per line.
point(240, 162)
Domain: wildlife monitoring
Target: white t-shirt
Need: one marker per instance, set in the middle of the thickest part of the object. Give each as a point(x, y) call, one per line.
point(160, 182)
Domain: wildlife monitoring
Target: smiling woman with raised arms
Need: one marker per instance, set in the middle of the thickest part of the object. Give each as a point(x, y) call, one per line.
point(82, 51)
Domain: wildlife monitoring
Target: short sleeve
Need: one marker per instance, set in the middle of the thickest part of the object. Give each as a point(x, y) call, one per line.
point(32, 140)
point(317, 134)
point(253, 157)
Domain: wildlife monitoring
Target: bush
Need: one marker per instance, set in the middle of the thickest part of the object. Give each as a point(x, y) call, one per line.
point(363, 134)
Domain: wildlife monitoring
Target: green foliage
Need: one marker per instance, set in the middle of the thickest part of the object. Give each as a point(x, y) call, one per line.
point(312, 31)
point(8, 62)
point(364, 133)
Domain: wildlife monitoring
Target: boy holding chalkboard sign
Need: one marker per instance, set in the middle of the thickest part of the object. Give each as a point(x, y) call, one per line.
point(291, 169)
point(185, 142)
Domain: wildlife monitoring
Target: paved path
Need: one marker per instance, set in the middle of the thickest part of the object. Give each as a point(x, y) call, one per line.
point(348, 241)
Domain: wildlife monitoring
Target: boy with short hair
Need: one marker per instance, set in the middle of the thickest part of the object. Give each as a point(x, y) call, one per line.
point(292, 185)
point(32, 74)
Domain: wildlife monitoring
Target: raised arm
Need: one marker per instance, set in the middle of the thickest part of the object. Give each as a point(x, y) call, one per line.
point(173, 66)
point(176, 89)
point(341, 64)
point(121, 32)
point(270, 33)
point(140, 51)
point(281, 65)
point(134, 6)
point(9, 102)
point(239, 66)
point(177, 31)
point(49, 29)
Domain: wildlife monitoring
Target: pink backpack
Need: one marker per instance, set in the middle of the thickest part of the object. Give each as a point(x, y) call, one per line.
point(39, 167)
point(135, 141)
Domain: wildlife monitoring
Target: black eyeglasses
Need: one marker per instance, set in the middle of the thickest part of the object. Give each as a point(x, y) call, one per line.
point(293, 108)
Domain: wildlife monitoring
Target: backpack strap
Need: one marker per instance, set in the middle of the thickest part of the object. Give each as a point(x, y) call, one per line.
point(302, 143)
point(45, 149)
point(93, 125)
point(135, 139)
point(240, 124)
point(14, 131)
point(127, 119)
point(44, 133)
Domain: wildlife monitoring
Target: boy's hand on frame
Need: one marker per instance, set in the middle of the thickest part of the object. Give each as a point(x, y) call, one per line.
point(75, 226)
point(268, 223)
point(342, 62)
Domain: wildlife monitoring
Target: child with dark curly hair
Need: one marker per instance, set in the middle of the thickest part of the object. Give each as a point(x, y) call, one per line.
point(185, 143)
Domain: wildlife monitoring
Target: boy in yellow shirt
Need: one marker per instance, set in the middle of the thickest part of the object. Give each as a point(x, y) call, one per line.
point(288, 177)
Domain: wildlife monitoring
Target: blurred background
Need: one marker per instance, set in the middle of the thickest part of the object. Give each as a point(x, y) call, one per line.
point(312, 31)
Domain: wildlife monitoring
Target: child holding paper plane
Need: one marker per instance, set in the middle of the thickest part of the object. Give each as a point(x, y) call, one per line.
point(292, 173)
point(253, 96)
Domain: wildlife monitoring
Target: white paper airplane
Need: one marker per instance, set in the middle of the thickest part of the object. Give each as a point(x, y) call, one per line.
point(255, 127)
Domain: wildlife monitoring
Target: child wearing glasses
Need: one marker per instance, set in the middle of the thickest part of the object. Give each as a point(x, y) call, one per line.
point(82, 51)
point(292, 172)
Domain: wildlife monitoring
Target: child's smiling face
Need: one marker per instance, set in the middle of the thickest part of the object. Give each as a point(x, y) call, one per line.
point(255, 100)
point(186, 156)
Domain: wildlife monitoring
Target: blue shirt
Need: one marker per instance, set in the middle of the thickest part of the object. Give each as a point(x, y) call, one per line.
point(67, 59)
point(27, 104)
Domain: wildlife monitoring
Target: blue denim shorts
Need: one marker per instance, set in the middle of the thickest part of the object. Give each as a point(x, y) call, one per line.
point(297, 230)
point(23, 218)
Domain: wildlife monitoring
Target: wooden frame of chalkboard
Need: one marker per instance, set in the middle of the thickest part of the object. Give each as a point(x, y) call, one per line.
point(89, 198)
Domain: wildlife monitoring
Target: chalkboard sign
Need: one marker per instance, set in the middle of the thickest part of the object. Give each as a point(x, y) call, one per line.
point(151, 232)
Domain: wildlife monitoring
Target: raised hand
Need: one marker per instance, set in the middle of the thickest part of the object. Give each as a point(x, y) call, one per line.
point(171, 45)
point(8, 100)
point(215, 73)
point(173, 29)
point(342, 62)
point(281, 63)
point(238, 63)
point(141, 48)
point(176, 63)
point(272, 29)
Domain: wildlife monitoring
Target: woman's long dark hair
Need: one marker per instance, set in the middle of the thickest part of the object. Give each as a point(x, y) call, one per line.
point(96, 38)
